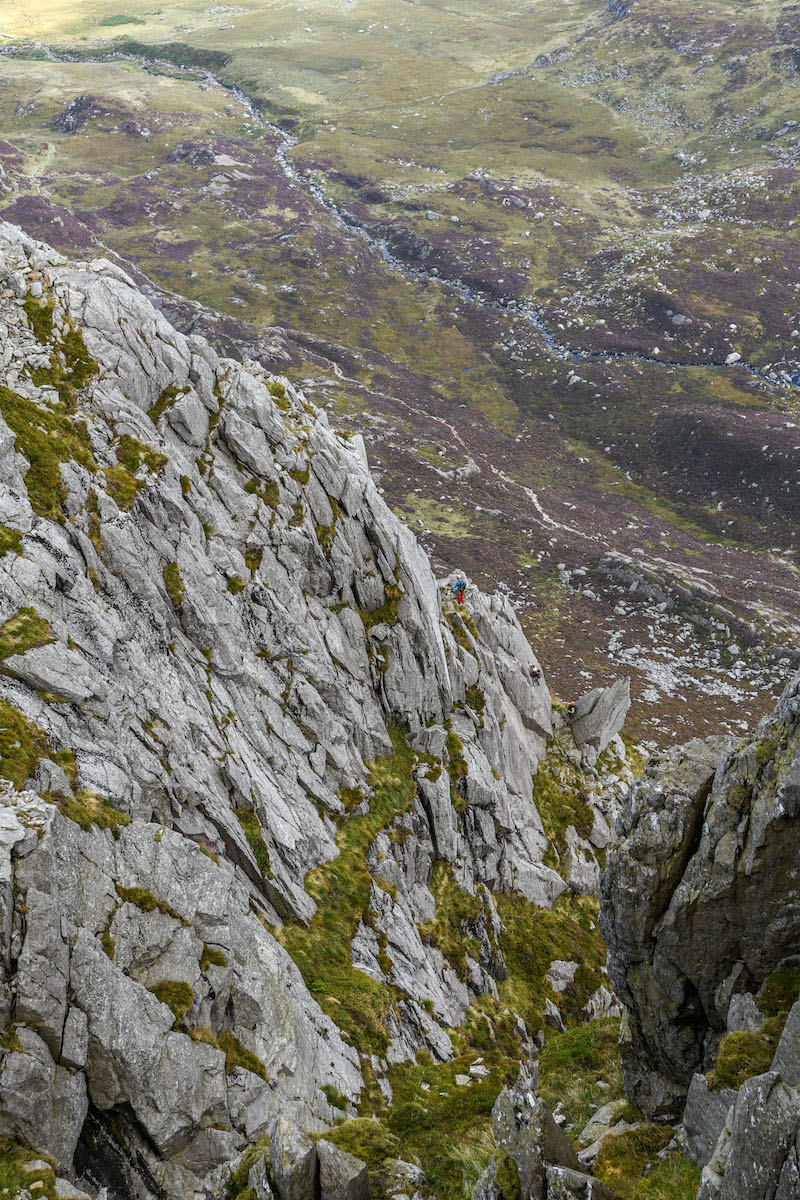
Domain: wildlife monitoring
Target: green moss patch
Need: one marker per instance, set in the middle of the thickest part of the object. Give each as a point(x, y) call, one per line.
point(780, 991)
point(571, 1065)
point(623, 1158)
point(673, 1177)
point(235, 584)
point(742, 1055)
point(238, 1180)
point(446, 1126)
point(13, 1176)
point(86, 809)
point(533, 938)
point(386, 614)
point(236, 1055)
point(212, 958)
point(252, 831)
point(10, 541)
point(121, 486)
point(455, 911)
point(24, 631)
point(133, 454)
point(507, 1176)
point(334, 1096)
point(40, 316)
point(560, 801)
point(166, 400)
point(173, 583)
point(177, 995)
point(146, 901)
point(121, 480)
point(70, 368)
point(341, 888)
point(23, 744)
point(368, 1140)
point(268, 492)
point(47, 438)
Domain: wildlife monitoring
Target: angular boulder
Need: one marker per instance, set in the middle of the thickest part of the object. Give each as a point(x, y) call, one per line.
point(757, 1153)
point(565, 1184)
point(786, 1060)
point(528, 1142)
point(342, 1176)
point(704, 1118)
point(293, 1159)
point(598, 717)
point(41, 1105)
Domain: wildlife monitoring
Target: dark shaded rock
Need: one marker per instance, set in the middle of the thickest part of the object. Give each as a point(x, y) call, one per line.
point(697, 898)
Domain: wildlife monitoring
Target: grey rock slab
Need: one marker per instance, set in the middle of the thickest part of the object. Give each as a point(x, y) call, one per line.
point(293, 1159)
point(75, 1041)
point(765, 1125)
point(171, 1082)
point(258, 1179)
point(744, 1015)
point(581, 868)
point(41, 1104)
point(54, 668)
point(601, 1122)
point(67, 1191)
point(342, 1176)
point(42, 970)
point(704, 1118)
point(786, 1060)
point(525, 1130)
point(565, 1184)
point(599, 716)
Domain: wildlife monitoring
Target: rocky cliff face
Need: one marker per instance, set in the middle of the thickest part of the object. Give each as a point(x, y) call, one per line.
point(698, 897)
point(218, 642)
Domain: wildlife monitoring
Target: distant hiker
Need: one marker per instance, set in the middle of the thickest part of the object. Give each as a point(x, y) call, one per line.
point(536, 674)
point(459, 587)
point(570, 710)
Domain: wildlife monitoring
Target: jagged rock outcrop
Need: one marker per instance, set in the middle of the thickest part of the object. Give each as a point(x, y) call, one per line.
point(211, 626)
point(757, 1152)
point(698, 897)
point(716, 1127)
point(599, 716)
point(534, 1159)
